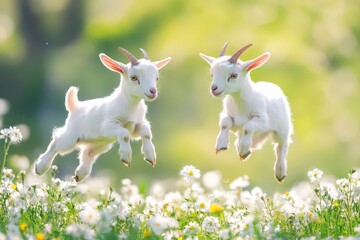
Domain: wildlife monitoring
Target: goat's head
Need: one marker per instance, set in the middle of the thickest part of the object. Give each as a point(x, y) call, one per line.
point(140, 75)
point(229, 73)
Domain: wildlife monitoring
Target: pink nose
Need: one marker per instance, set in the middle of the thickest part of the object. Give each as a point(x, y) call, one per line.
point(213, 87)
point(153, 91)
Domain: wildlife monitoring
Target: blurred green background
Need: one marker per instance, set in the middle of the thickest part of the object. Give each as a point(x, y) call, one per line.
point(47, 46)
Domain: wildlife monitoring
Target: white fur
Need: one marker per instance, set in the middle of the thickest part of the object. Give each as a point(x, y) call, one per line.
point(93, 126)
point(253, 111)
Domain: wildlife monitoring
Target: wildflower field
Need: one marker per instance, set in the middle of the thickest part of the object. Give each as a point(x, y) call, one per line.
point(202, 206)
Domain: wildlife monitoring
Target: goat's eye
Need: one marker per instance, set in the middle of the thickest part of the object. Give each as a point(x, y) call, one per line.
point(157, 79)
point(134, 78)
point(233, 76)
point(212, 75)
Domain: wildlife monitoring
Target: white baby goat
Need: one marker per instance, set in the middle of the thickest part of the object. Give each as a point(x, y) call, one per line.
point(95, 125)
point(253, 111)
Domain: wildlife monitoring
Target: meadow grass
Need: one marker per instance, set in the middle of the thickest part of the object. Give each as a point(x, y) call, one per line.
point(202, 206)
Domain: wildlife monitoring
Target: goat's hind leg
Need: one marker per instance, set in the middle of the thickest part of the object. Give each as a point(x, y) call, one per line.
point(62, 142)
point(281, 150)
point(44, 161)
point(87, 156)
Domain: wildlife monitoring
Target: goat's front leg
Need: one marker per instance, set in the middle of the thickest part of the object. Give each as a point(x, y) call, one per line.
point(114, 129)
point(255, 124)
point(147, 147)
point(222, 140)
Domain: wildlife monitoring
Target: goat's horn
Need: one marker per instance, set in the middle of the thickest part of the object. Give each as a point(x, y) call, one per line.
point(144, 54)
point(233, 59)
point(223, 50)
point(129, 56)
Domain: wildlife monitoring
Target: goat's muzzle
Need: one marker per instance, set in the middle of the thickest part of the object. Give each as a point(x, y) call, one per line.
point(215, 91)
point(152, 94)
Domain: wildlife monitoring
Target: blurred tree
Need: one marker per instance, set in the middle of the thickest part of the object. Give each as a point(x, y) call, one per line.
point(25, 83)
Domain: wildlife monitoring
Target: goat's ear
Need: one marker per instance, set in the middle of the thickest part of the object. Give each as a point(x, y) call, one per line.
point(257, 62)
point(162, 63)
point(112, 64)
point(208, 59)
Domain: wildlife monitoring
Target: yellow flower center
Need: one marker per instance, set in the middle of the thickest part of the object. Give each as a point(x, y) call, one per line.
point(191, 173)
point(216, 208)
point(40, 236)
point(147, 233)
point(23, 227)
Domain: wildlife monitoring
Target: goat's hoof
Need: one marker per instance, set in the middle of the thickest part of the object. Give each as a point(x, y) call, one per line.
point(280, 179)
point(76, 178)
point(126, 163)
point(152, 163)
point(37, 171)
point(220, 150)
point(245, 156)
point(35, 168)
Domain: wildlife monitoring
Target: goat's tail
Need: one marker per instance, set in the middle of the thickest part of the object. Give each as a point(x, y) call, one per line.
point(71, 99)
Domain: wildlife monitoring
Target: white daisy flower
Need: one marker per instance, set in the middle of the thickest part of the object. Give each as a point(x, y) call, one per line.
point(80, 231)
point(224, 234)
point(211, 224)
point(11, 133)
point(187, 207)
point(343, 182)
point(190, 173)
point(89, 215)
point(4, 133)
point(239, 183)
point(192, 228)
point(16, 135)
point(192, 238)
point(8, 173)
point(202, 205)
point(158, 224)
point(315, 175)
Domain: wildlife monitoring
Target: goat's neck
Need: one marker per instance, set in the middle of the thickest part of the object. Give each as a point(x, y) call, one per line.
point(244, 94)
point(123, 95)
